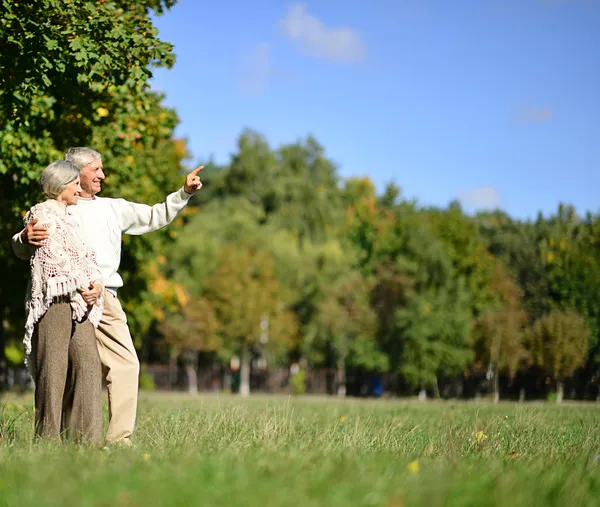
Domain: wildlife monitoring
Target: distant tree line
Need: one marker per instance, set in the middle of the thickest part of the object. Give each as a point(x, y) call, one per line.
point(437, 301)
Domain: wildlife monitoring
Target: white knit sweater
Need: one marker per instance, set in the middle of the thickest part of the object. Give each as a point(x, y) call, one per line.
point(60, 267)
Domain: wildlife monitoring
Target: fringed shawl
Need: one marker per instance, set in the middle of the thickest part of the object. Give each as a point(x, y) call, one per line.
point(59, 268)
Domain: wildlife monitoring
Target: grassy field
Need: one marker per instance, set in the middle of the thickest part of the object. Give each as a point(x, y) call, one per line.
point(306, 452)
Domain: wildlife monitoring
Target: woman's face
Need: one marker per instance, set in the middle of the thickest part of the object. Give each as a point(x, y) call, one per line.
point(70, 193)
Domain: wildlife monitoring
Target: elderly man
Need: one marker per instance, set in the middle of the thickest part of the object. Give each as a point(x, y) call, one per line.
point(103, 221)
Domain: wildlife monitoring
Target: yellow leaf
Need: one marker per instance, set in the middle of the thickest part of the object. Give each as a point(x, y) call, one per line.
point(181, 295)
point(102, 112)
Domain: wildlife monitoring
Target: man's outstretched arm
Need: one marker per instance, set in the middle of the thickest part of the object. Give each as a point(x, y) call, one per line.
point(139, 219)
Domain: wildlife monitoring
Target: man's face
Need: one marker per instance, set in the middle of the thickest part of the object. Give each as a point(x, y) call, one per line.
point(91, 178)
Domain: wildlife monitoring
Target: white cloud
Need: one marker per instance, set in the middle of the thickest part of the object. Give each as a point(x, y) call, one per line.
point(340, 44)
point(481, 198)
point(536, 114)
point(258, 70)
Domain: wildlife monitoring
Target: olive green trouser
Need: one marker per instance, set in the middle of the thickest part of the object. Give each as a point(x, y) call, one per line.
point(67, 375)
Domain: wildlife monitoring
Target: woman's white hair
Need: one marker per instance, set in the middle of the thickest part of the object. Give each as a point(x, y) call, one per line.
point(56, 177)
point(81, 156)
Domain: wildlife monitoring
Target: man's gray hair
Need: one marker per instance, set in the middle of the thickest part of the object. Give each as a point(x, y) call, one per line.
point(81, 156)
point(56, 177)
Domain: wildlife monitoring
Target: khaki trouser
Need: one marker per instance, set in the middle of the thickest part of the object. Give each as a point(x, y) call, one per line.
point(121, 367)
point(66, 370)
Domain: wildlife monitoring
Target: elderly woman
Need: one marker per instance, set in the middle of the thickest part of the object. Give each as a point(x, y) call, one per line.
point(60, 342)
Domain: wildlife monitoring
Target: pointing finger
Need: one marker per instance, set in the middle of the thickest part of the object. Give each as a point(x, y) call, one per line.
point(196, 171)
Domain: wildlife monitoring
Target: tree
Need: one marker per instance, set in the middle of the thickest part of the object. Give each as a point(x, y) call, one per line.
point(76, 73)
point(252, 173)
point(498, 332)
point(557, 343)
point(311, 205)
point(190, 331)
point(570, 253)
point(516, 245)
point(243, 290)
point(467, 252)
point(434, 328)
point(347, 321)
point(296, 185)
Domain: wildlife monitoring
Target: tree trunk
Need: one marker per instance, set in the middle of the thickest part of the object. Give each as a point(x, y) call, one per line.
point(191, 370)
point(423, 394)
point(245, 371)
point(560, 391)
point(341, 368)
point(341, 377)
point(192, 378)
point(227, 381)
point(436, 389)
point(496, 386)
point(493, 382)
point(172, 369)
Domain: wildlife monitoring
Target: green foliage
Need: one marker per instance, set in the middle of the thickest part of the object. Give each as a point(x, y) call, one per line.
point(14, 354)
point(498, 333)
point(147, 381)
point(296, 186)
point(435, 335)
point(298, 382)
point(468, 254)
point(63, 60)
point(76, 73)
point(243, 290)
point(558, 343)
point(346, 320)
point(423, 292)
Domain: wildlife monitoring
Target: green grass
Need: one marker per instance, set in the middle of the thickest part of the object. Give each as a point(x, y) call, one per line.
point(306, 452)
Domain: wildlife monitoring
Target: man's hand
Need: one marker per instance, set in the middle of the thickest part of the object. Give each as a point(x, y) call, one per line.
point(34, 236)
point(91, 295)
point(192, 181)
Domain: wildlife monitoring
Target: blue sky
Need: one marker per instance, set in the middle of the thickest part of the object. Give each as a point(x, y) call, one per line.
point(493, 102)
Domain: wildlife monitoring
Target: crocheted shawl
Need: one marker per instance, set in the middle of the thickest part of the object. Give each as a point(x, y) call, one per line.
point(58, 268)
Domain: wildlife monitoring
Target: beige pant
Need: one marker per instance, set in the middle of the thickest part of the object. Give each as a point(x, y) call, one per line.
point(121, 368)
point(68, 386)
